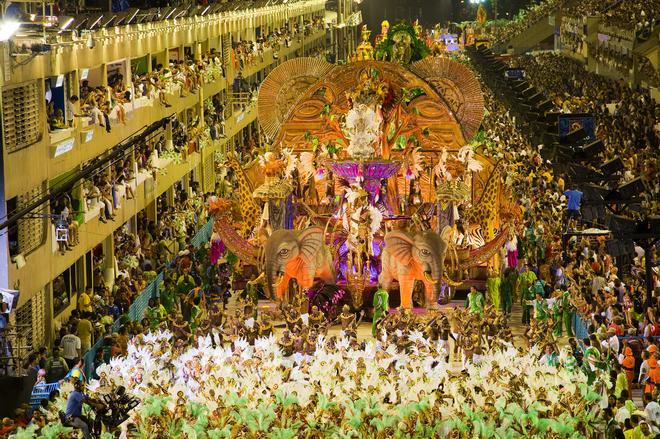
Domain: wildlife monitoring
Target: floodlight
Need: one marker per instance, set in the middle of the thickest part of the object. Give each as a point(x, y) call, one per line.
point(8, 28)
point(64, 22)
point(94, 21)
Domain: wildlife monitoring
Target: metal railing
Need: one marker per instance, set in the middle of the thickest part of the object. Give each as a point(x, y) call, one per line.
point(139, 305)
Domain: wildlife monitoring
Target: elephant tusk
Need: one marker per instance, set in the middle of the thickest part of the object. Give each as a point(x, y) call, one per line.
point(429, 278)
point(279, 280)
point(452, 283)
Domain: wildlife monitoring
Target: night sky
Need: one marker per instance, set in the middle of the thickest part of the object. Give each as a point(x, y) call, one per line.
point(429, 12)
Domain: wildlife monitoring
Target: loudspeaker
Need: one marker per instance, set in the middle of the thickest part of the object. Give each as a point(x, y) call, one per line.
point(632, 188)
point(594, 148)
point(612, 167)
point(575, 138)
point(620, 247)
point(544, 106)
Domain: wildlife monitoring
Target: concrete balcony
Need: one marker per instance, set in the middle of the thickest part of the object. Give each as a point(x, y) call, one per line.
point(46, 263)
point(64, 150)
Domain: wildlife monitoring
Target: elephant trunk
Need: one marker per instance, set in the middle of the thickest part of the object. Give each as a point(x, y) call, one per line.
point(433, 278)
point(273, 278)
point(436, 274)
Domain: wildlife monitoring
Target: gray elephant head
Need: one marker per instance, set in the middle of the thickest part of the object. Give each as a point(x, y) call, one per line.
point(292, 254)
point(420, 256)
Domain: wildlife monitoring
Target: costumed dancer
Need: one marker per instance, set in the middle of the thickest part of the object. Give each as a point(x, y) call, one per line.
point(443, 336)
point(455, 325)
point(381, 307)
point(569, 361)
point(541, 311)
point(557, 311)
point(550, 357)
point(525, 281)
point(512, 251)
point(628, 365)
point(506, 290)
point(567, 312)
point(475, 301)
point(493, 287)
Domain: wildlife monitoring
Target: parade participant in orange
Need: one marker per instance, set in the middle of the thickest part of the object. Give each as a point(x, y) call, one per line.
point(628, 365)
point(650, 378)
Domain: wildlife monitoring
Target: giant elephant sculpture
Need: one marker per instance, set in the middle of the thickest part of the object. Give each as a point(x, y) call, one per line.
point(300, 255)
point(407, 258)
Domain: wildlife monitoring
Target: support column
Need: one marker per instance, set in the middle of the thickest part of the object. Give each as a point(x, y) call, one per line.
point(109, 261)
point(4, 233)
point(169, 196)
point(151, 211)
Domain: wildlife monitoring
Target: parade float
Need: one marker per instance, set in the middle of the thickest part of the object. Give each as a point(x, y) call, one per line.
point(371, 177)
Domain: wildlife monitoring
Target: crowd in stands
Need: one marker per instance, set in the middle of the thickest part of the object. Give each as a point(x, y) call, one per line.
point(588, 8)
point(526, 18)
point(620, 326)
point(613, 57)
point(625, 117)
point(248, 52)
point(639, 16)
point(107, 105)
point(138, 258)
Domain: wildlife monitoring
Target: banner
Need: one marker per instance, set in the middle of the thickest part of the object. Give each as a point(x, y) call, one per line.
point(10, 297)
point(569, 123)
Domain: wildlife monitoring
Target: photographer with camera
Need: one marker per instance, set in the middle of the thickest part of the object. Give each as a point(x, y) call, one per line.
point(73, 416)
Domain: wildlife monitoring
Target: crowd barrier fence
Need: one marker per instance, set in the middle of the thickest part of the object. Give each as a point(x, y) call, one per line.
point(141, 302)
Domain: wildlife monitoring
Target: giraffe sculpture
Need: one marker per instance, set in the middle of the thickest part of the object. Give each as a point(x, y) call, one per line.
point(248, 206)
point(485, 211)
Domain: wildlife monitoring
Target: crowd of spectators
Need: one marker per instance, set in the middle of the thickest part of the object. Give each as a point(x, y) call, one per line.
point(107, 105)
point(625, 118)
point(614, 58)
point(639, 16)
point(248, 52)
point(620, 326)
point(526, 18)
point(588, 8)
point(138, 257)
point(572, 37)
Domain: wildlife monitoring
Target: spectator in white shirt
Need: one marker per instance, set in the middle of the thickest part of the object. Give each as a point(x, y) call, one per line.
point(71, 110)
point(71, 348)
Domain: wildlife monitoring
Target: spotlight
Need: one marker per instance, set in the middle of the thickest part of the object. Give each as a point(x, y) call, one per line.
point(131, 14)
point(8, 28)
point(64, 22)
point(168, 14)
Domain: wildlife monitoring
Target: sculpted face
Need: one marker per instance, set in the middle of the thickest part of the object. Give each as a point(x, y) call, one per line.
point(292, 254)
point(287, 250)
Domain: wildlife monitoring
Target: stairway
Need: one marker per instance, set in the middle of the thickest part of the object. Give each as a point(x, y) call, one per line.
point(530, 38)
point(649, 47)
point(537, 33)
